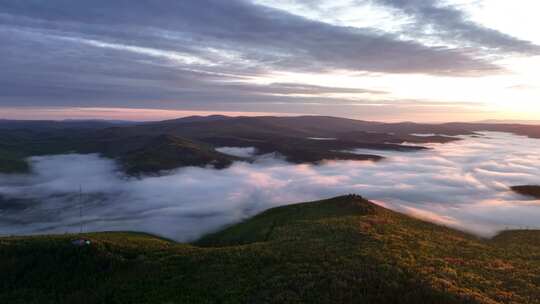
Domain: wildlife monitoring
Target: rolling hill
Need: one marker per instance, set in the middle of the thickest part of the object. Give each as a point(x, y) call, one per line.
point(293, 137)
point(341, 250)
point(166, 152)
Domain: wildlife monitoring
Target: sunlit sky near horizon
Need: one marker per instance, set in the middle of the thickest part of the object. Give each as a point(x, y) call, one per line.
point(387, 60)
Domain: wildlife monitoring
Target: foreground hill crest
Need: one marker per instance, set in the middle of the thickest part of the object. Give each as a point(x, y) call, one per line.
point(340, 250)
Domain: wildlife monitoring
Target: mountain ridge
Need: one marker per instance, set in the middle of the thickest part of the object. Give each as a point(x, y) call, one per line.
point(293, 137)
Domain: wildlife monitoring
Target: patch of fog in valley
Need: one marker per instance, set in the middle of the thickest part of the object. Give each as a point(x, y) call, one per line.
point(462, 184)
point(238, 151)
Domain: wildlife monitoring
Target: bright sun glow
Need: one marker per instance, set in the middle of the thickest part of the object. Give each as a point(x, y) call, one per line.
point(514, 94)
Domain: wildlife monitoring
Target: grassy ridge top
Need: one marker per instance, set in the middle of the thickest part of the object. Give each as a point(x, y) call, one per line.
point(342, 250)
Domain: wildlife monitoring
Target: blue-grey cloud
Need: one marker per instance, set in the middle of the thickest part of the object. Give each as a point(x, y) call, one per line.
point(432, 18)
point(437, 21)
point(118, 53)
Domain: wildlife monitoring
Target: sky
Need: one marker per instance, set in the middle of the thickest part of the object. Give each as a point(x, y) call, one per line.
point(387, 60)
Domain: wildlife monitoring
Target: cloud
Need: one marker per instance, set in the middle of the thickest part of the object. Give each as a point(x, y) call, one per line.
point(238, 151)
point(433, 18)
point(255, 35)
point(434, 22)
point(118, 53)
point(463, 184)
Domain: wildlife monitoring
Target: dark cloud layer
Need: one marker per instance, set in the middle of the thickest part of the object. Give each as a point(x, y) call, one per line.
point(267, 36)
point(123, 53)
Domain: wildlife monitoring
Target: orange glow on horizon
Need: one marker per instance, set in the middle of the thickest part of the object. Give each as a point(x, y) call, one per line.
point(81, 113)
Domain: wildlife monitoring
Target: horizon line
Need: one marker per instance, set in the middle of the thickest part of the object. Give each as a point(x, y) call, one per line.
point(143, 115)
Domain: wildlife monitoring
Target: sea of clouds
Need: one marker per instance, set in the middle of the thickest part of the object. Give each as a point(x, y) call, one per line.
point(462, 184)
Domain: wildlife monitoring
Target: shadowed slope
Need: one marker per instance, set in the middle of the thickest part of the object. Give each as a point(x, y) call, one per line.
point(168, 152)
point(11, 163)
point(529, 190)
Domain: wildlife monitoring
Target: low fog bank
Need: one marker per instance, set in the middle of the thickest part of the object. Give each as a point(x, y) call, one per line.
point(463, 184)
point(238, 151)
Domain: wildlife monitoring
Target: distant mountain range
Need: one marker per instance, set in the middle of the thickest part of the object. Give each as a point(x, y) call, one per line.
point(511, 121)
point(147, 148)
